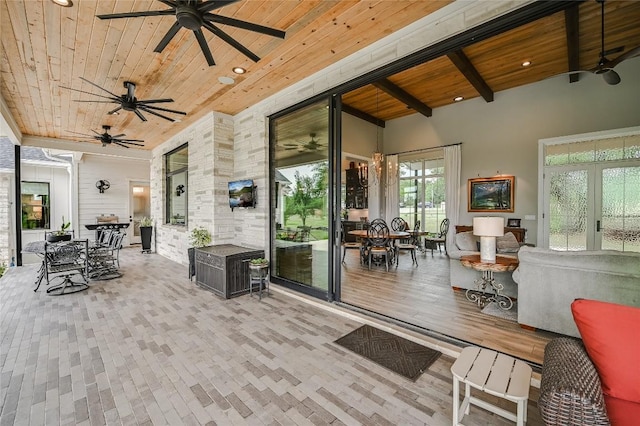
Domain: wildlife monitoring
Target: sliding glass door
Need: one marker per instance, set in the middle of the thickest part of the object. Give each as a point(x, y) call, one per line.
point(300, 202)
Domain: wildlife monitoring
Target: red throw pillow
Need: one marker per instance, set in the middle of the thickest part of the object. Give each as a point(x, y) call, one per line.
point(611, 336)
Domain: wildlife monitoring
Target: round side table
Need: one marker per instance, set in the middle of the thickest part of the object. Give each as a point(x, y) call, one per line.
point(487, 282)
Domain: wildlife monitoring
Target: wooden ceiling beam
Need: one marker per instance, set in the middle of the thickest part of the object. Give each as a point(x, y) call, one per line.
point(470, 72)
point(571, 20)
point(404, 97)
point(363, 115)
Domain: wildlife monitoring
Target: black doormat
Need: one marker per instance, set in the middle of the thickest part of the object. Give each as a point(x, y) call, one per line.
point(399, 355)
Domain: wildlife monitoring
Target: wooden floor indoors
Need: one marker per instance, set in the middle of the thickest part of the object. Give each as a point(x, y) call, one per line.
point(153, 348)
point(422, 296)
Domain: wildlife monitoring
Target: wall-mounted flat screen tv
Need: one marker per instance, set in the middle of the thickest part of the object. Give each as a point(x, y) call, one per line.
point(241, 193)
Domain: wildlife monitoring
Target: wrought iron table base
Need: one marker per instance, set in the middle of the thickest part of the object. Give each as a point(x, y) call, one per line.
point(488, 290)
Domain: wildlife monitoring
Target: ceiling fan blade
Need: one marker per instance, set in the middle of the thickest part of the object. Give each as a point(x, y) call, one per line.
point(81, 134)
point(127, 142)
point(101, 88)
point(231, 41)
point(114, 111)
point(98, 102)
point(207, 6)
point(99, 134)
point(154, 101)
point(167, 37)
point(155, 113)
point(136, 14)
point(628, 55)
point(162, 109)
point(244, 25)
point(140, 116)
point(89, 93)
point(204, 47)
point(120, 144)
point(118, 136)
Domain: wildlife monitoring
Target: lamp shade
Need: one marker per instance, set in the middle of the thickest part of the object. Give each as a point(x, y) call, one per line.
point(488, 226)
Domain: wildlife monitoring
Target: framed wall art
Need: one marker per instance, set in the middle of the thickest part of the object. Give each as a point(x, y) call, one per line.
point(494, 194)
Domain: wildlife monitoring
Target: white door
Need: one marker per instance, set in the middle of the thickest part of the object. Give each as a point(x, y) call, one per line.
point(592, 206)
point(139, 207)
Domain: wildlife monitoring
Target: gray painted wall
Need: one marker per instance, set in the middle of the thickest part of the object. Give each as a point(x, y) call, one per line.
point(501, 137)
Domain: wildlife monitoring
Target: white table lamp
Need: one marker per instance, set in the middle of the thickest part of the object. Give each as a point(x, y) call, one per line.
point(488, 228)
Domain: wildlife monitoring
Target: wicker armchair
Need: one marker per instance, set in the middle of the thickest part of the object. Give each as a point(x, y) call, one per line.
point(570, 389)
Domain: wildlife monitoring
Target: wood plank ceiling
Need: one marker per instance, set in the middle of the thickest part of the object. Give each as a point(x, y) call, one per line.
point(46, 47)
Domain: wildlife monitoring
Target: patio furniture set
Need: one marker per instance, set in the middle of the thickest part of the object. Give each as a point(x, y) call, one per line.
point(95, 260)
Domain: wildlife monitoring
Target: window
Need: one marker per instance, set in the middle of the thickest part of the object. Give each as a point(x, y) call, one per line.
point(176, 167)
point(35, 205)
point(422, 191)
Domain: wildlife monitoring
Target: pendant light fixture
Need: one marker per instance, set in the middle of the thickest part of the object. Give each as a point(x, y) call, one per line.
point(378, 157)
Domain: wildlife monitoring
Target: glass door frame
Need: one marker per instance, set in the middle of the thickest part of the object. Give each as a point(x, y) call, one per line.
point(594, 170)
point(334, 125)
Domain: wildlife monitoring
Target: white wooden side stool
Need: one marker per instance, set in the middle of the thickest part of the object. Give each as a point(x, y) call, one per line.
point(494, 373)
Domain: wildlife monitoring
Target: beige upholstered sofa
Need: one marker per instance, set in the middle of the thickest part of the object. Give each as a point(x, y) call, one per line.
point(465, 243)
point(548, 281)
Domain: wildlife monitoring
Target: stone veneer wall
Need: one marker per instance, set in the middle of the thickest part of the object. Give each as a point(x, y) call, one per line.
point(210, 168)
point(5, 217)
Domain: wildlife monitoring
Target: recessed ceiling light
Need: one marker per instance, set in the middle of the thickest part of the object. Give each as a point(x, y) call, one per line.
point(239, 70)
point(226, 80)
point(63, 3)
point(526, 63)
point(458, 98)
point(114, 113)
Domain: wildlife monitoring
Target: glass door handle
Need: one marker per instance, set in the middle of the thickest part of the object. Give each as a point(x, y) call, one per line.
point(597, 226)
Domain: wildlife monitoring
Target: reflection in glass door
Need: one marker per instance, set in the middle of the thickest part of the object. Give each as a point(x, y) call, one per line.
point(300, 245)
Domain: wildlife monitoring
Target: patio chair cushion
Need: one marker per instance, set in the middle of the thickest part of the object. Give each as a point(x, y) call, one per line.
point(610, 335)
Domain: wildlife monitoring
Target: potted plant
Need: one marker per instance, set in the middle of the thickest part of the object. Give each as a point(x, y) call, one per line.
point(259, 262)
point(61, 234)
point(199, 237)
point(146, 231)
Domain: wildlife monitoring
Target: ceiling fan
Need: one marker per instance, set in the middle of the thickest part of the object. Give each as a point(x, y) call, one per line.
point(195, 15)
point(312, 145)
point(106, 139)
point(129, 102)
point(605, 66)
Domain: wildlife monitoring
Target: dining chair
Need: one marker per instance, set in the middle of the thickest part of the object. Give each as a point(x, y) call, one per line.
point(410, 245)
point(64, 260)
point(439, 240)
point(399, 224)
point(349, 245)
point(378, 243)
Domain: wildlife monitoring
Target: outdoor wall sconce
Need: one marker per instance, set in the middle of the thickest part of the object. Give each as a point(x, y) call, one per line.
point(179, 190)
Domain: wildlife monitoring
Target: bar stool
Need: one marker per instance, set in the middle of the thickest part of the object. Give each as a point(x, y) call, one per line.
point(258, 274)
